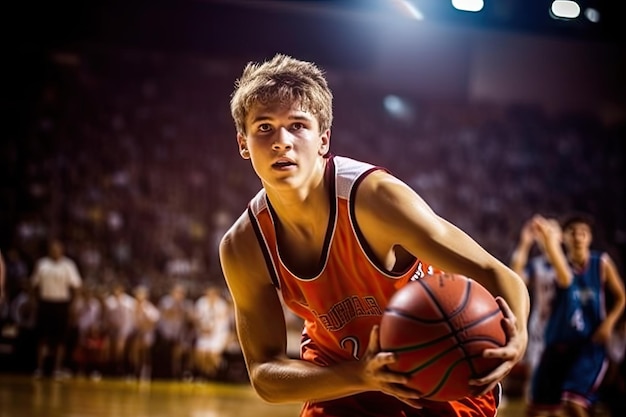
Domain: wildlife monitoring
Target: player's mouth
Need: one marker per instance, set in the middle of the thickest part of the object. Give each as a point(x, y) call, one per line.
point(283, 163)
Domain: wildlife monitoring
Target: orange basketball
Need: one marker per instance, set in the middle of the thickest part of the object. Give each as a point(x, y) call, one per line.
point(439, 326)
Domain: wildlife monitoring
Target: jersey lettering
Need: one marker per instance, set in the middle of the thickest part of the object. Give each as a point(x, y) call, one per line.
point(348, 309)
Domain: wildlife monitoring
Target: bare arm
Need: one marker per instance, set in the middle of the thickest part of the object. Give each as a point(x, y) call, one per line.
point(550, 239)
point(519, 258)
point(262, 334)
point(392, 215)
point(614, 284)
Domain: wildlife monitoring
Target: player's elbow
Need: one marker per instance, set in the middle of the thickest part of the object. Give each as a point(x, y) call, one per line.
point(266, 393)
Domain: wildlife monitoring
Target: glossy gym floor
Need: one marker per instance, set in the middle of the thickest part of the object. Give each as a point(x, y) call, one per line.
point(24, 396)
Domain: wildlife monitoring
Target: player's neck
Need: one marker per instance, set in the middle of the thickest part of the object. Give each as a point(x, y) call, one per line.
point(579, 258)
point(303, 201)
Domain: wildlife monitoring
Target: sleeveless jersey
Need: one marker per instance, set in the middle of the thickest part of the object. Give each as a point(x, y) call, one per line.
point(345, 297)
point(542, 279)
point(349, 291)
point(578, 309)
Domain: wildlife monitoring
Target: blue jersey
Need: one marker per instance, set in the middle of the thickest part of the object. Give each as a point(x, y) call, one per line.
point(578, 310)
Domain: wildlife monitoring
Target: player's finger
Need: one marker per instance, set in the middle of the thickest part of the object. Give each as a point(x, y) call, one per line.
point(506, 310)
point(374, 344)
point(494, 377)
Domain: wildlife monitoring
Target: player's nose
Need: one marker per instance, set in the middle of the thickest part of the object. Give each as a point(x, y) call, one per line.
point(283, 140)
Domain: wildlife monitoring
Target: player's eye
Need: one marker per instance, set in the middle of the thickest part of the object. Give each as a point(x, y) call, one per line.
point(297, 126)
point(264, 127)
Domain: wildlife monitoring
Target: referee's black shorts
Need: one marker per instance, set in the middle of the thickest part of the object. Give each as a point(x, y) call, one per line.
point(53, 321)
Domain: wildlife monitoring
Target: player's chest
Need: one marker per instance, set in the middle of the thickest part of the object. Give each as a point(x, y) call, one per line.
point(301, 255)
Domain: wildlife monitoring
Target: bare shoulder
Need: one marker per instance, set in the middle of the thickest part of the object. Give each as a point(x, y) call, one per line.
point(238, 241)
point(609, 268)
point(243, 263)
point(381, 189)
point(385, 197)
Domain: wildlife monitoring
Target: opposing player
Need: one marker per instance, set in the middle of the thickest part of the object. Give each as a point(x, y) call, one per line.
point(540, 277)
point(580, 324)
point(337, 237)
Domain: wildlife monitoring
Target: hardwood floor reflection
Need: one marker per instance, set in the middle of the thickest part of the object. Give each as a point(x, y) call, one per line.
point(23, 396)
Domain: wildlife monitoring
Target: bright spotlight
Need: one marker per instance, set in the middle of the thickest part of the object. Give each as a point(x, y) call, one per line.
point(593, 15)
point(565, 9)
point(468, 5)
point(408, 9)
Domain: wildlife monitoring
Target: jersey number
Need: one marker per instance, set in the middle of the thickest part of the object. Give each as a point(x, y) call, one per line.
point(351, 342)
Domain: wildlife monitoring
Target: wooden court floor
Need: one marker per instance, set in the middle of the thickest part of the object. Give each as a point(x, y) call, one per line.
point(23, 396)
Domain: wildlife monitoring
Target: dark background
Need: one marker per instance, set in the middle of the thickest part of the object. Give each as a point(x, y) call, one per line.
point(525, 107)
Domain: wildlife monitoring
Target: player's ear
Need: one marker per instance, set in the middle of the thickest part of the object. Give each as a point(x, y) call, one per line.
point(243, 147)
point(324, 143)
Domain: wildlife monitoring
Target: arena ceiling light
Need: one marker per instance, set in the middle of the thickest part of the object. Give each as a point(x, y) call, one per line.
point(468, 5)
point(564, 9)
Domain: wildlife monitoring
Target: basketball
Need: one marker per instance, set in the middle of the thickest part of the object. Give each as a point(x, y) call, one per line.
point(439, 326)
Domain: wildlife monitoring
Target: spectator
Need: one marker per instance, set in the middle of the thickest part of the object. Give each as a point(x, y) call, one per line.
point(23, 313)
point(90, 349)
point(173, 328)
point(146, 316)
point(120, 324)
point(213, 318)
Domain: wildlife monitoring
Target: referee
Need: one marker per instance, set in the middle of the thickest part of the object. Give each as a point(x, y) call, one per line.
point(55, 279)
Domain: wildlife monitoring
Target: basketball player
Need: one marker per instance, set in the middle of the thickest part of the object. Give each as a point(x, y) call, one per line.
point(579, 327)
point(337, 237)
point(540, 277)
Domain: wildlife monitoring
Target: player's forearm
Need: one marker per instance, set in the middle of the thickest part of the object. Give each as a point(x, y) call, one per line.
point(520, 258)
point(615, 312)
point(293, 380)
point(515, 292)
point(559, 263)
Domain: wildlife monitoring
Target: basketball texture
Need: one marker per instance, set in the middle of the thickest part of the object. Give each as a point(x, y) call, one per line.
point(439, 326)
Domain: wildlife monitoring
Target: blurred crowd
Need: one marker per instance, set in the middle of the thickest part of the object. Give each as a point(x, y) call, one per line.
point(130, 158)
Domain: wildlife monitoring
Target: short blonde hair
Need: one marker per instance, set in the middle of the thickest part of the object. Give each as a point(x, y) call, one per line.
point(282, 80)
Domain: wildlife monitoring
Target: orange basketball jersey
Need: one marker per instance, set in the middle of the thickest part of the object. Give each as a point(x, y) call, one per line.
point(349, 291)
point(345, 297)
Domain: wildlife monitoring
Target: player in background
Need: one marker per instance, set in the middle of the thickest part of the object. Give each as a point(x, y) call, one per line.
point(540, 277)
point(580, 324)
point(337, 237)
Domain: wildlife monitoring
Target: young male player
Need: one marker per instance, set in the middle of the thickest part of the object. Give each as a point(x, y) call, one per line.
point(337, 237)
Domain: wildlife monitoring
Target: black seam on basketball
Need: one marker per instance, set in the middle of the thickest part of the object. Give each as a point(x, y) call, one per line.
point(459, 308)
point(401, 313)
point(452, 332)
point(435, 359)
point(462, 305)
point(443, 379)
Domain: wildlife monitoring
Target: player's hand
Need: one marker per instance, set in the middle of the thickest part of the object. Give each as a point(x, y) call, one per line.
point(545, 231)
point(377, 375)
point(510, 354)
point(527, 234)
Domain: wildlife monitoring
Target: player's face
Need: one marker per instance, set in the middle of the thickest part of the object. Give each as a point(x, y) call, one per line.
point(577, 237)
point(284, 144)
